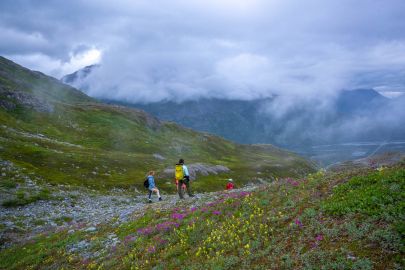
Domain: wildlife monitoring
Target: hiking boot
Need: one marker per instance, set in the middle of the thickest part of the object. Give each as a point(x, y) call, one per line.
point(160, 198)
point(150, 201)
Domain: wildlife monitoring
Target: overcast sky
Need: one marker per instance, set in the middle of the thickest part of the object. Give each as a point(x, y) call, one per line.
point(237, 49)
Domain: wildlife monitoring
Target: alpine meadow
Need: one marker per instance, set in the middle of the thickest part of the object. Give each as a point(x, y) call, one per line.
point(194, 135)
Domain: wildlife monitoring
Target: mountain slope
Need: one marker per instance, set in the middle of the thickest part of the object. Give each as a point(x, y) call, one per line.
point(62, 136)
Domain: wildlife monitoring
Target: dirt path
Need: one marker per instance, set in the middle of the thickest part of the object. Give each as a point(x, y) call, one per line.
point(78, 210)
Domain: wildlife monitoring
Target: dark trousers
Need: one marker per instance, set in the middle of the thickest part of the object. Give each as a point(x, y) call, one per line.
point(180, 189)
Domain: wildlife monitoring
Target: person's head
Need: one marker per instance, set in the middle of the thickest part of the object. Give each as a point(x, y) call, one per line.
point(151, 172)
point(181, 161)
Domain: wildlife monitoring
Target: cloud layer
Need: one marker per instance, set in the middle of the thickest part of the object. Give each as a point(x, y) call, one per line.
point(239, 49)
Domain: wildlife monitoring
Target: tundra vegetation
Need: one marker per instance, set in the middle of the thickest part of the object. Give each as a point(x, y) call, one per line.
point(351, 219)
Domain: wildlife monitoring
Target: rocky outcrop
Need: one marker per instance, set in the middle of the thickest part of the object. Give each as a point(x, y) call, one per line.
point(9, 100)
point(198, 169)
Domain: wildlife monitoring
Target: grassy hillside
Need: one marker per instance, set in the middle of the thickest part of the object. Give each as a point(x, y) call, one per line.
point(340, 220)
point(59, 135)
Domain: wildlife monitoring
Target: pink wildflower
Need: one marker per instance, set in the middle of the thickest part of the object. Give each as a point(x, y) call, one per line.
point(129, 238)
point(178, 216)
point(319, 237)
point(298, 223)
point(151, 249)
point(145, 231)
point(166, 226)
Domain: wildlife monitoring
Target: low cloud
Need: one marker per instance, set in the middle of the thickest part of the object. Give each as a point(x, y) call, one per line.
point(240, 49)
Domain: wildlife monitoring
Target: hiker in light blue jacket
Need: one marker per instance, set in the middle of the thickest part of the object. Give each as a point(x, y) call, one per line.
point(152, 186)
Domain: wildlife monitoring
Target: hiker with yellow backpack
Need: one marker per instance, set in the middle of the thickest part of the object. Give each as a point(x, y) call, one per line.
point(182, 177)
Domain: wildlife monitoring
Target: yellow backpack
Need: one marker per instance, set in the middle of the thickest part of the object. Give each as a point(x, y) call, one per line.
point(179, 174)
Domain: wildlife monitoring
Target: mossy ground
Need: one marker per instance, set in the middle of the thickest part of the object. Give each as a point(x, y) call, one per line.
point(317, 222)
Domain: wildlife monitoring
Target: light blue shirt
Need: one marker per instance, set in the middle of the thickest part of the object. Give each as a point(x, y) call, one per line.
point(151, 181)
point(185, 170)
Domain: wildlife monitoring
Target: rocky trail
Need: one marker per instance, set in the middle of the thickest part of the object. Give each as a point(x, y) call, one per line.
point(85, 210)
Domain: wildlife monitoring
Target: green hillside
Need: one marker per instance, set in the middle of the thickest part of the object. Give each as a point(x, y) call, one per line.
point(59, 135)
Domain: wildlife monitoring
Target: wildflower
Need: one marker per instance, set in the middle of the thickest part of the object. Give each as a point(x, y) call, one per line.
point(151, 249)
point(145, 231)
point(216, 212)
point(298, 223)
point(162, 241)
point(178, 216)
point(319, 237)
point(166, 226)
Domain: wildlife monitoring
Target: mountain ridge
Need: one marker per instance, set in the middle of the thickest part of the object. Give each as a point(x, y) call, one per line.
point(294, 127)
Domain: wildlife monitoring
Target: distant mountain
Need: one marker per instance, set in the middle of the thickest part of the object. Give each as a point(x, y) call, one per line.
point(252, 122)
point(59, 134)
point(354, 115)
point(359, 100)
point(221, 117)
point(78, 75)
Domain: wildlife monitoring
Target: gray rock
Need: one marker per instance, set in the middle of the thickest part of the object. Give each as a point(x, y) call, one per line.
point(8, 224)
point(26, 99)
point(159, 157)
point(78, 247)
point(351, 257)
point(91, 229)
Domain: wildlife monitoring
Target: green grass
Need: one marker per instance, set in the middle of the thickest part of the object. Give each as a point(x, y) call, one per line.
point(23, 198)
point(283, 225)
point(8, 184)
point(378, 194)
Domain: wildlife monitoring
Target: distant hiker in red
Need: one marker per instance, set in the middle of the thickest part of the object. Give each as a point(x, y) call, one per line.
point(230, 185)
